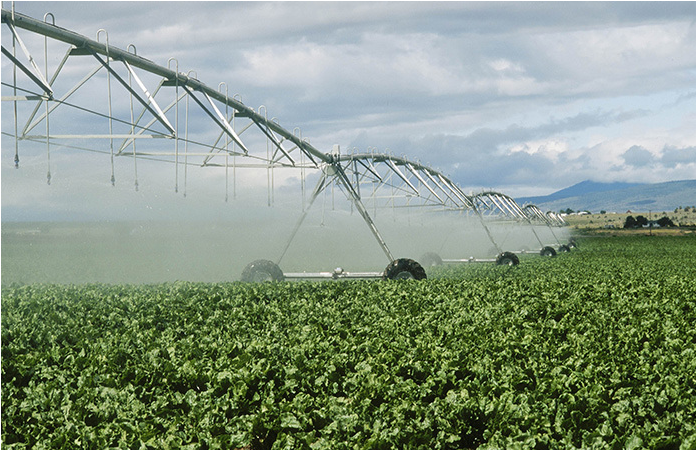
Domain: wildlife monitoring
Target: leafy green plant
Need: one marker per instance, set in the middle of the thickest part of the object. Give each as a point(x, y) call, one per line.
point(592, 349)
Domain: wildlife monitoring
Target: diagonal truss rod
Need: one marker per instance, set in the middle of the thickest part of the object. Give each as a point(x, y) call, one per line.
point(491, 202)
point(381, 179)
point(155, 110)
point(60, 34)
point(217, 117)
point(411, 179)
point(36, 75)
point(550, 218)
point(335, 173)
point(533, 212)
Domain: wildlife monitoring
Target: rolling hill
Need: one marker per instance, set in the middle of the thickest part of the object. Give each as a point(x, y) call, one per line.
point(618, 197)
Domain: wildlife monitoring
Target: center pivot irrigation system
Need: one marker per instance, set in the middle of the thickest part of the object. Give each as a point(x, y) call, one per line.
point(94, 98)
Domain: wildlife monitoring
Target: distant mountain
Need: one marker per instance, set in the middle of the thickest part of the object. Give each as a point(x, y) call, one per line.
point(577, 190)
point(618, 197)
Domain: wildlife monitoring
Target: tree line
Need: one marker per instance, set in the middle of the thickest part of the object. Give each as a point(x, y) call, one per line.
point(642, 221)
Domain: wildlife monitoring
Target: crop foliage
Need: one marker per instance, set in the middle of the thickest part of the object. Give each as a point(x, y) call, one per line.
point(591, 349)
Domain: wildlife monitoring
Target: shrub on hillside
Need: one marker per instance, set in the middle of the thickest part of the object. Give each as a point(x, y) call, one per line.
point(641, 221)
point(665, 222)
point(630, 222)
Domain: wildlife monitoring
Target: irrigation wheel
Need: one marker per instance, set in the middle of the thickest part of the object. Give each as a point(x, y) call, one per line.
point(547, 251)
point(262, 270)
point(431, 259)
point(507, 259)
point(404, 269)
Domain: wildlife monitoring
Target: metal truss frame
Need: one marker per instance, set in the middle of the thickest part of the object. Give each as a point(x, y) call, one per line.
point(502, 207)
point(136, 114)
point(150, 112)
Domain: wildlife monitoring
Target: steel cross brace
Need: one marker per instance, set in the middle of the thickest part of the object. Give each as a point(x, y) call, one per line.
point(339, 176)
point(540, 215)
point(36, 76)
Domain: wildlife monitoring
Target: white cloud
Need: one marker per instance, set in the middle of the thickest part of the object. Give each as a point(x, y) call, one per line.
point(602, 60)
point(550, 148)
point(474, 88)
point(379, 65)
point(504, 65)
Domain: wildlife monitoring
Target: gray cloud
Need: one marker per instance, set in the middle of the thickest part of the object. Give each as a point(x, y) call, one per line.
point(487, 146)
point(673, 156)
point(503, 95)
point(638, 156)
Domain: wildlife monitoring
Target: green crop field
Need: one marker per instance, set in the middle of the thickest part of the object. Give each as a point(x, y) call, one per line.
point(591, 349)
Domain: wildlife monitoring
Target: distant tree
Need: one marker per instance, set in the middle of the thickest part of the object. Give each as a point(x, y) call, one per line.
point(630, 222)
point(567, 211)
point(665, 222)
point(602, 212)
point(641, 221)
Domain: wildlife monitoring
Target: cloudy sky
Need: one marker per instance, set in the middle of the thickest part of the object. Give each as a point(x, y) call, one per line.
point(524, 98)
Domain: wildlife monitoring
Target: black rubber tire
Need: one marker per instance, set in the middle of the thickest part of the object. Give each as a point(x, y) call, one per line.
point(563, 249)
point(507, 259)
point(547, 251)
point(431, 259)
point(404, 269)
point(262, 270)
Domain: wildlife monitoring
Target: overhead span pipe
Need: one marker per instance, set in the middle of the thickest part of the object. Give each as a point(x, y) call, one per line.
point(79, 41)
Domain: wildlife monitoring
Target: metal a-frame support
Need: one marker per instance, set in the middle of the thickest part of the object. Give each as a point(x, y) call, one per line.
point(498, 248)
point(534, 212)
point(507, 205)
point(334, 173)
